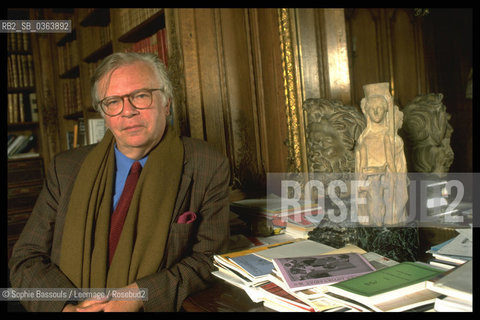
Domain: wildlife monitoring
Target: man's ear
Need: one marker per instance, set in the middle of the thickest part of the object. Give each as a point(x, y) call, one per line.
point(167, 107)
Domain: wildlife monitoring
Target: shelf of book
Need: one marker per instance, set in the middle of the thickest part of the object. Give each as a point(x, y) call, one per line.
point(22, 109)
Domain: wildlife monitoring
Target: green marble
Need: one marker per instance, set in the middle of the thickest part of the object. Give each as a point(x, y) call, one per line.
point(397, 243)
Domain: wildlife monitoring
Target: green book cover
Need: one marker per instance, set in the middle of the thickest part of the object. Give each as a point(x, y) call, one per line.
point(388, 279)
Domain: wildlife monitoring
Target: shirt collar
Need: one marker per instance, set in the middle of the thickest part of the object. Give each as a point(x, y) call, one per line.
point(124, 163)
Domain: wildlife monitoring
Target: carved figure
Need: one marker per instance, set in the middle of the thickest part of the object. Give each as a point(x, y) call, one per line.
point(332, 130)
point(427, 135)
point(380, 161)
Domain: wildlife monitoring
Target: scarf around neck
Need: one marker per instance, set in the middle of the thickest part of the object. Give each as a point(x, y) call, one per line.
point(140, 250)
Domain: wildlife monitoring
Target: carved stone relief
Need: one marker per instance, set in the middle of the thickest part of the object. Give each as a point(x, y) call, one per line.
point(427, 133)
point(332, 130)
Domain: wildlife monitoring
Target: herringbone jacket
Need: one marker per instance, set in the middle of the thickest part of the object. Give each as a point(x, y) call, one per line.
point(187, 261)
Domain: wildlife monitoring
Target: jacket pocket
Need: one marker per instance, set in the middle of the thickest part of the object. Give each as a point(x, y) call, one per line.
point(180, 241)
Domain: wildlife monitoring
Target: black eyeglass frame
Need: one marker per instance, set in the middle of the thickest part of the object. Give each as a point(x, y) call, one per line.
point(130, 97)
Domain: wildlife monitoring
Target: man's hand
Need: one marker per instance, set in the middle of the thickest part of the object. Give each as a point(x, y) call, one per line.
point(106, 305)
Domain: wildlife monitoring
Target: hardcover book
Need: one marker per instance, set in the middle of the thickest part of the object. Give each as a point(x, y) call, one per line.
point(309, 271)
point(388, 283)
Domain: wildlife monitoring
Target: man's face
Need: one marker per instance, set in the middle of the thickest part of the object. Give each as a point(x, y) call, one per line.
point(326, 139)
point(136, 131)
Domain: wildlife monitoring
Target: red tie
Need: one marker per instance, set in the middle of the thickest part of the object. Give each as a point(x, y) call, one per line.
point(118, 216)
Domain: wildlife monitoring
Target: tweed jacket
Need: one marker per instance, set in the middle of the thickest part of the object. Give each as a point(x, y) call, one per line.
point(187, 260)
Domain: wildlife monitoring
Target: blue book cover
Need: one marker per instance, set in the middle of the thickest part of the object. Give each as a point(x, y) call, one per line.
point(254, 265)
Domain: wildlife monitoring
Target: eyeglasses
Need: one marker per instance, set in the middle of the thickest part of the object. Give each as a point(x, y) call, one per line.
point(140, 99)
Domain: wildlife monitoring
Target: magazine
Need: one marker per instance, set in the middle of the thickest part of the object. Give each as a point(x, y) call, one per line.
point(306, 272)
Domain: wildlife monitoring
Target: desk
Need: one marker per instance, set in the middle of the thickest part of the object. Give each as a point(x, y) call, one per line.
point(222, 297)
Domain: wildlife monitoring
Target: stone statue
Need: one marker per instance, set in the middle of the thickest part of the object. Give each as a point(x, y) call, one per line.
point(332, 133)
point(427, 135)
point(380, 161)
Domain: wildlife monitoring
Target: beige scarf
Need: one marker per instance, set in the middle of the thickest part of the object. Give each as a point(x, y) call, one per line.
point(140, 250)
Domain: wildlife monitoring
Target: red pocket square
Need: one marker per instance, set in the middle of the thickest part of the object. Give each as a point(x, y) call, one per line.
point(187, 217)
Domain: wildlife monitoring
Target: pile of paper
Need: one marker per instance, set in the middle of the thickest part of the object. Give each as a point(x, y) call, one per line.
point(304, 275)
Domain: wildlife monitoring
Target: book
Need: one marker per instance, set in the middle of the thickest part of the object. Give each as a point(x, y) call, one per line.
point(314, 297)
point(230, 264)
point(457, 283)
point(387, 284)
point(272, 293)
point(299, 229)
point(25, 146)
point(309, 271)
point(461, 245)
point(450, 304)
point(11, 137)
point(33, 106)
point(269, 215)
point(447, 265)
point(254, 265)
point(96, 130)
point(453, 250)
point(273, 206)
point(13, 147)
point(295, 249)
point(25, 155)
point(378, 261)
point(407, 301)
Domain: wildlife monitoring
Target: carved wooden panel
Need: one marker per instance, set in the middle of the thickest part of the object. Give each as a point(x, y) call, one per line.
point(232, 87)
point(409, 76)
point(385, 45)
point(46, 99)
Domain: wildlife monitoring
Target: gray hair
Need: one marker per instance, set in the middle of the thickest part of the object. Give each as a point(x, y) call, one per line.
point(118, 59)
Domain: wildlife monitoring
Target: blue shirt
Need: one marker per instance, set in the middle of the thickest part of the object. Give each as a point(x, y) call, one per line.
point(123, 167)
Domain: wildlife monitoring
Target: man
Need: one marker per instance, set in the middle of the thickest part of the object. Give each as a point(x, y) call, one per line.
point(176, 220)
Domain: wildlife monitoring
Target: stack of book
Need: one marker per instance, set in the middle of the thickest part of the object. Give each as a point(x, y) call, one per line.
point(307, 276)
point(400, 287)
point(268, 216)
point(453, 252)
point(157, 43)
point(69, 57)
point(18, 42)
point(22, 107)
point(20, 72)
point(20, 146)
point(72, 96)
point(95, 38)
point(300, 227)
point(455, 288)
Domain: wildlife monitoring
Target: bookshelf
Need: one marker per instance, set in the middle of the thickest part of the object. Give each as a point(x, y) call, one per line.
point(22, 110)
point(25, 166)
point(96, 33)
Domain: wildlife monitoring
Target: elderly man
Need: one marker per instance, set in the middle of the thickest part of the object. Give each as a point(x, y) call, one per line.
point(99, 224)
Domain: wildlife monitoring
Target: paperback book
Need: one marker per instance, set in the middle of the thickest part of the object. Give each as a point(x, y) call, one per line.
point(387, 284)
point(300, 273)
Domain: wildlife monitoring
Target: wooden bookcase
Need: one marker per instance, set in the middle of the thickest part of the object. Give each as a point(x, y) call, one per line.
point(25, 169)
point(96, 33)
point(22, 109)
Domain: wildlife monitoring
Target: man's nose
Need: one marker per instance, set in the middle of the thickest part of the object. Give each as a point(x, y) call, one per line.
point(128, 108)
